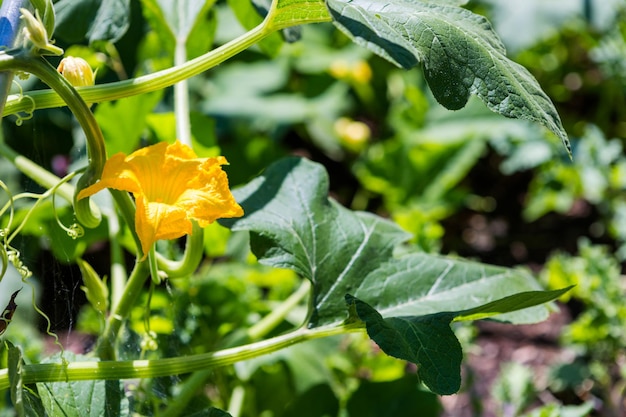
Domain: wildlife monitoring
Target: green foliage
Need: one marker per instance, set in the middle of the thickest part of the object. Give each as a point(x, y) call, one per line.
point(350, 243)
point(293, 225)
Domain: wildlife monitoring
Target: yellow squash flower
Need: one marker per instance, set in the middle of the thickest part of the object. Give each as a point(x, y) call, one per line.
point(171, 186)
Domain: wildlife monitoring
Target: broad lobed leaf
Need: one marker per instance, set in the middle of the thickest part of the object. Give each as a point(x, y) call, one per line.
point(460, 53)
point(294, 225)
point(408, 301)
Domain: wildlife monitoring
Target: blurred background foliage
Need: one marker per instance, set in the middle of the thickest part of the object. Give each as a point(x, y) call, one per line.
point(467, 182)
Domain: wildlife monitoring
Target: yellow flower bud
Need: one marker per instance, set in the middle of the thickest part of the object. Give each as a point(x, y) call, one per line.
point(77, 71)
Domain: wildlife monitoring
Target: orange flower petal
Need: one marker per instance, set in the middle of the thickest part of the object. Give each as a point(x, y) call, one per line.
point(171, 186)
point(155, 221)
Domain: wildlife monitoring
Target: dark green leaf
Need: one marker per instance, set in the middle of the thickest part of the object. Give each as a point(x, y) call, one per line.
point(94, 20)
point(459, 50)
point(427, 341)
point(319, 401)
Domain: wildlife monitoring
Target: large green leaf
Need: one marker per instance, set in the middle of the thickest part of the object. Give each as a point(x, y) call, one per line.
point(408, 301)
point(294, 225)
point(95, 20)
point(460, 53)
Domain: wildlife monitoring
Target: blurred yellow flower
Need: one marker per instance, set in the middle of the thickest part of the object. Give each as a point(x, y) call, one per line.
point(171, 186)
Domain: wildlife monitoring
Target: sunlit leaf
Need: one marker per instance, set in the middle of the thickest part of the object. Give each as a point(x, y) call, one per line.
point(294, 225)
point(408, 302)
point(286, 13)
point(460, 53)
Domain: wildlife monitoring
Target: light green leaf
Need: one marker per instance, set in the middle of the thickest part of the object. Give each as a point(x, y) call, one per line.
point(286, 13)
point(83, 398)
point(460, 53)
point(95, 288)
point(94, 20)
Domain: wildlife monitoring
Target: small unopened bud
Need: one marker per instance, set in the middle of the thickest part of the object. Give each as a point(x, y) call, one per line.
point(77, 71)
point(35, 32)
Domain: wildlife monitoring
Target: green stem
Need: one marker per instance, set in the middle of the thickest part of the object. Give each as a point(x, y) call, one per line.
point(276, 316)
point(118, 269)
point(86, 213)
point(126, 206)
point(144, 84)
point(113, 370)
point(113, 91)
point(194, 249)
point(120, 311)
